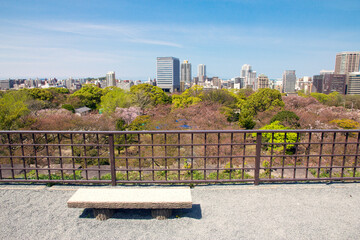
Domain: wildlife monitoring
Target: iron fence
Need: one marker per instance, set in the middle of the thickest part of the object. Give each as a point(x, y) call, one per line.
point(165, 157)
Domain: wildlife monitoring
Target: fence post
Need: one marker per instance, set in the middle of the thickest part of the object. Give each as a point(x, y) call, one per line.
point(257, 159)
point(112, 159)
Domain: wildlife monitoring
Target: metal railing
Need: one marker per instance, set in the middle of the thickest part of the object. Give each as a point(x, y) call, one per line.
point(164, 157)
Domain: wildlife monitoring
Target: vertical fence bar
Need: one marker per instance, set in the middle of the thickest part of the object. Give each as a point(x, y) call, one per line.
point(47, 155)
point(231, 151)
point(344, 157)
point(218, 159)
point(85, 159)
point(61, 160)
point(98, 153)
point(284, 158)
point(179, 156)
point(126, 158)
point(257, 159)
point(205, 156)
point(192, 155)
point(332, 155)
point(165, 157)
point(307, 152)
point(72, 154)
point(356, 157)
point(112, 159)
point(139, 150)
point(11, 158)
point(152, 154)
point(23, 154)
point(295, 159)
point(271, 155)
point(35, 155)
point(320, 154)
point(243, 159)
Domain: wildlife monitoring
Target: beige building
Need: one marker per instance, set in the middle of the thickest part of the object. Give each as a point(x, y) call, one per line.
point(347, 62)
point(262, 81)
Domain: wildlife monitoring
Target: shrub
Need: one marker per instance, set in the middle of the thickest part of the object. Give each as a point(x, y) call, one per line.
point(68, 107)
point(346, 123)
point(278, 137)
point(286, 118)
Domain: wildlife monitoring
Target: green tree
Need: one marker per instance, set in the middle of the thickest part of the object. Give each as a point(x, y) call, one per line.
point(190, 97)
point(12, 108)
point(156, 94)
point(114, 98)
point(278, 137)
point(287, 118)
point(89, 95)
point(41, 94)
point(263, 100)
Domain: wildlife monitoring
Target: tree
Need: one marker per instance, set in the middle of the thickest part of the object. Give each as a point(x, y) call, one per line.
point(12, 108)
point(263, 100)
point(278, 137)
point(190, 97)
point(89, 95)
point(41, 94)
point(286, 118)
point(156, 94)
point(115, 98)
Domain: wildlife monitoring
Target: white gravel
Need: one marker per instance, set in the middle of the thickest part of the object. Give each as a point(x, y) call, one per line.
point(284, 211)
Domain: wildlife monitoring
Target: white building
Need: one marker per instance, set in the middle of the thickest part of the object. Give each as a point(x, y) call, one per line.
point(110, 79)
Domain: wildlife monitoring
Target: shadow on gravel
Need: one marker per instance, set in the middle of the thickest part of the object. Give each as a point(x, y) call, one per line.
point(145, 214)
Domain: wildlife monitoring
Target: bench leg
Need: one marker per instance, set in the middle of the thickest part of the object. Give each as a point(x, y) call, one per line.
point(103, 213)
point(161, 214)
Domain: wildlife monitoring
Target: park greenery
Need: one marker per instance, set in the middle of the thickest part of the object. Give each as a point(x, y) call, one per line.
point(196, 107)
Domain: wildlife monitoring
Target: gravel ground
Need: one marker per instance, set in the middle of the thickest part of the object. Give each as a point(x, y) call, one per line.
point(284, 211)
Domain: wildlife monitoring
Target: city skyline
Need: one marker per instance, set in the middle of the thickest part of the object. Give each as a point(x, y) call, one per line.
point(89, 38)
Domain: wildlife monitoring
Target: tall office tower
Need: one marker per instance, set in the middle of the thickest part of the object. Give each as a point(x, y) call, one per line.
point(185, 72)
point(110, 79)
point(353, 83)
point(334, 83)
point(69, 83)
point(318, 81)
point(262, 81)
point(168, 73)
point(249, 76)
point(202, 72)
point(347, 62)
point(289, 80)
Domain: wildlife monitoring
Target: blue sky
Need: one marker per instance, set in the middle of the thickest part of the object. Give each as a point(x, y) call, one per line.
point(87, 38)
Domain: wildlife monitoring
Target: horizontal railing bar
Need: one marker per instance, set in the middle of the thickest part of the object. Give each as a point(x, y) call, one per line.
point(53, 180)
point(308, 179)
point(181, 131)
point(310, 155)
point(54, 144)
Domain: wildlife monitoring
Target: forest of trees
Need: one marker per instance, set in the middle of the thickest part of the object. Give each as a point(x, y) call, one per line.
point(147, 107)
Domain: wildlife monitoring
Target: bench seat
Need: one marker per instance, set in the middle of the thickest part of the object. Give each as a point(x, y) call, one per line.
point(103, 200)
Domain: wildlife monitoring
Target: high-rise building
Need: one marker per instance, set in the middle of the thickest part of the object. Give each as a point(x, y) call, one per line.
point(110, 79)
point(168, 73)
point(262, 81)
point(185, 72)
point(334, 83)
point(353, 83)
point(347, 62)
point(249, 76)
point(289, 80)
point(202, 72)
point(318, 81)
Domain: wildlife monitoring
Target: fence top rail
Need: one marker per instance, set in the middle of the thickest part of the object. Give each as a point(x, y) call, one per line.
point(184, 131)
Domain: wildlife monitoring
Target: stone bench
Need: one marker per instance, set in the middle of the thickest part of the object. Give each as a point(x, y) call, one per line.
point(103, 201)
